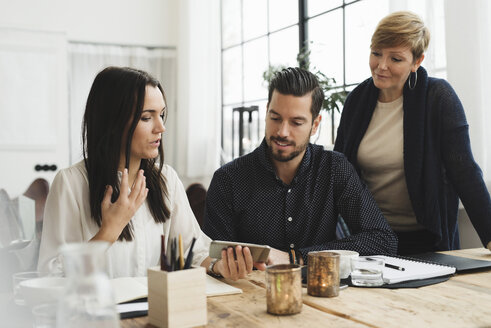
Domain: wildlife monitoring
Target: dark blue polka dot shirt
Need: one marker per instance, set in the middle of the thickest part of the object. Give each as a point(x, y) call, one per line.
point(247, 202)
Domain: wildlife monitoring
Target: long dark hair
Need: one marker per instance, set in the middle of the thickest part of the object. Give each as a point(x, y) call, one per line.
point(115, 101)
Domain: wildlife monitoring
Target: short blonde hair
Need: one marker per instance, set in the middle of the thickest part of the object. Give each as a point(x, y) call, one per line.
point(402, 28)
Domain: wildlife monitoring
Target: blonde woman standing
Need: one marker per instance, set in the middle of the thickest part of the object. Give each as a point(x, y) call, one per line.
point(407, 135)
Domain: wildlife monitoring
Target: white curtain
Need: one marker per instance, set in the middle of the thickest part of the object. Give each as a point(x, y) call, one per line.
point(86, 60)
point(199, 97)
point(468, 32)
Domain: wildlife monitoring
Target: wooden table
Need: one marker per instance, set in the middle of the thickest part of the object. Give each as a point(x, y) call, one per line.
point(462, 301)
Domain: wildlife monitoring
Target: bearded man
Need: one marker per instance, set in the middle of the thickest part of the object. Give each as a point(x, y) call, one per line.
point(288, 193)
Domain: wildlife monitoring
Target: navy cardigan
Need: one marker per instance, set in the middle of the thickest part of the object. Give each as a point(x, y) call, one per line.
point(438, 161)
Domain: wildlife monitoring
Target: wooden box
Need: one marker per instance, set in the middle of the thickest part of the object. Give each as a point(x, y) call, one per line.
point(178, 298)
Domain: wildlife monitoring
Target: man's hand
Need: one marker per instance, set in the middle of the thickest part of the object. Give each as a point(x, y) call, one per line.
point(115, 216)
point(239, 268)
point(278, 257)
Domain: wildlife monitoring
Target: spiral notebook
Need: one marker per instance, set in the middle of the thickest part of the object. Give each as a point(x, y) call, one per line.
point(462, 264)
point(413, 269)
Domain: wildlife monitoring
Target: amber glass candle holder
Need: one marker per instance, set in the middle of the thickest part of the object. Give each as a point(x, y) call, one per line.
point(323, 274)
point(284, 289)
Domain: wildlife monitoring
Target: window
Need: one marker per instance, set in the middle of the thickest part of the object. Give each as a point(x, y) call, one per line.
point(255, 34)
point(339, 37)
point(259, 33)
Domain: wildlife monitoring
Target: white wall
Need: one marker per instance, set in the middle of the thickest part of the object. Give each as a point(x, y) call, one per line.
point(193, 26)
point(32, 77)
point(145, 22)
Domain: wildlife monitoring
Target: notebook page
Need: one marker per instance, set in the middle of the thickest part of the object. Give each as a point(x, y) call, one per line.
point(132, 307)
point(413, 269)
point(215, 287)
point(131, 288)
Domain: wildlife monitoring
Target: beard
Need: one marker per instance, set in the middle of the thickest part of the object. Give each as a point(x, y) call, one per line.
point(282, 156)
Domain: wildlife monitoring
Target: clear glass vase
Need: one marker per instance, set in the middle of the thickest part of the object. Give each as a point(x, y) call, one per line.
point(88, 300)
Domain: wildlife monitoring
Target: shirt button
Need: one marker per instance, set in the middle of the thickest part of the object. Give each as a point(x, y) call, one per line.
point(292, 245)
point(290, 219)
point(289, 190)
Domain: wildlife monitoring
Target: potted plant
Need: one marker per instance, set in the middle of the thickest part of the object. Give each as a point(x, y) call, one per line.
point(333, 98)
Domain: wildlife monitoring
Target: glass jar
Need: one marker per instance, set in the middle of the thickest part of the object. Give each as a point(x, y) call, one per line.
point(88, 299)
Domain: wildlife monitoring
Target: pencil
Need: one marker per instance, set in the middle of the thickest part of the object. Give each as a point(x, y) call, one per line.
point(163, 266)
point(181, 254)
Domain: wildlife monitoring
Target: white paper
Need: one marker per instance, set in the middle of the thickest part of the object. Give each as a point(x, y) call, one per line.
point(215, 287)
point(413, 270)
point(132, 307)
point(131, 288)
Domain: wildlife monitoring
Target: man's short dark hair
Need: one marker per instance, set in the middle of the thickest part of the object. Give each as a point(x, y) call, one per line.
point(298, 82)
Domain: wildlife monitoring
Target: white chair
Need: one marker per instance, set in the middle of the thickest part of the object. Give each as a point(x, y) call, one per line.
point(21, 222)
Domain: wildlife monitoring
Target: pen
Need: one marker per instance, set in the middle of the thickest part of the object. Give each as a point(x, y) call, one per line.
point(181, 254)
point(392, 266)
point(173, 255)
point(395, 267)
point(189, 259)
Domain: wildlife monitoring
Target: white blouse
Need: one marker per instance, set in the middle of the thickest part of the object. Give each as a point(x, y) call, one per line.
point(67, 219)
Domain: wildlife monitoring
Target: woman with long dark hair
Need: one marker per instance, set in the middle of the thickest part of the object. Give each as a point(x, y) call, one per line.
point(122, 192)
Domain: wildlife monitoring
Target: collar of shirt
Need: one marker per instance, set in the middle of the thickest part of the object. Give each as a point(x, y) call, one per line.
point(264, 158)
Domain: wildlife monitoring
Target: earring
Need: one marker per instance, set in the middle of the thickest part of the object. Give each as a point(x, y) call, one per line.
point(415, 80)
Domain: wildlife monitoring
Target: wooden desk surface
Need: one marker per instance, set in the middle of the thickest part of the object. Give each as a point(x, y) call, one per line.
point(462, 301)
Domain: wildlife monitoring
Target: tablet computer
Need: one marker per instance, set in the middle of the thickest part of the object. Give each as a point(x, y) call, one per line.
point(259, 253)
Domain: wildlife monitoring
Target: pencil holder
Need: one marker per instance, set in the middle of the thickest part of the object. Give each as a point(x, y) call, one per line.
point(178, 298)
